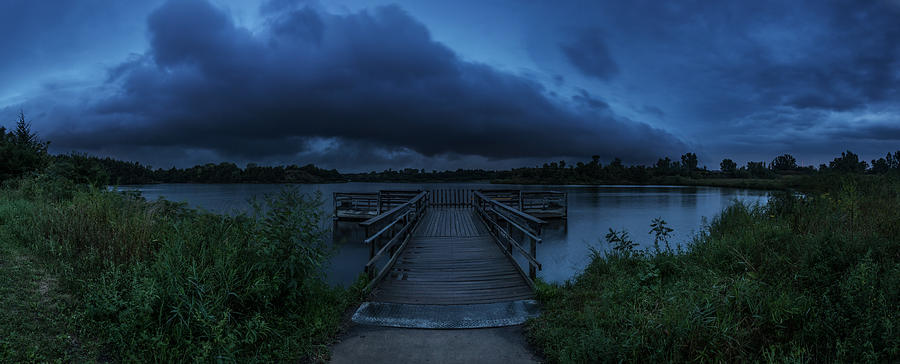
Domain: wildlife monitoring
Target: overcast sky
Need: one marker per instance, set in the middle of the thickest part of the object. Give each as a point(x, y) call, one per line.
point(367, 84)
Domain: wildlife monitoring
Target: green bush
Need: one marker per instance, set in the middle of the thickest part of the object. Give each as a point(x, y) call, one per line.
point(158, 282)
point(804, 279)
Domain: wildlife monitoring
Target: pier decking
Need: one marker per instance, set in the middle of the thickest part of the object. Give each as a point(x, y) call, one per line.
point(452, 259)
point(446, 259)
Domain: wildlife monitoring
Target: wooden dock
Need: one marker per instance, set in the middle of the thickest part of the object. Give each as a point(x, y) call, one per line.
point(452, 259)
point(455, 249)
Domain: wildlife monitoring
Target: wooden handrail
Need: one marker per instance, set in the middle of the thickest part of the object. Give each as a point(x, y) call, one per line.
point(521, 228)
point(499, 211)
point(387, 213)
point(410, 214)
point(385, 228)
point(515, 243)
point(387, 245)
point(521, 214)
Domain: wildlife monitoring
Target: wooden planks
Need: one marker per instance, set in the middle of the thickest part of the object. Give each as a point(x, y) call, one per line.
point(450, 222)
point(451, 259)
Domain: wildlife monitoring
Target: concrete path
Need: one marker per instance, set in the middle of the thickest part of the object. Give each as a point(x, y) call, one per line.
point(375, 344)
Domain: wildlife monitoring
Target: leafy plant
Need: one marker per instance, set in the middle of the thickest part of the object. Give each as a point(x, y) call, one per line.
point(621, 242)
point(660, 230)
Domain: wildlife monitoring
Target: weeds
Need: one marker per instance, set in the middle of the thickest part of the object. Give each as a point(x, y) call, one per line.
point(660, 230)
point(805, 278)
point(154, 281)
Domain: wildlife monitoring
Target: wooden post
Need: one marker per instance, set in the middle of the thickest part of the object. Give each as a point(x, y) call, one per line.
point(509, 237)
point(532, 271)
point(378, 208)
point(371, 270)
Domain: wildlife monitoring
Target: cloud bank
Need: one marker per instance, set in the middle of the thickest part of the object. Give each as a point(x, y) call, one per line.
point(373, 79)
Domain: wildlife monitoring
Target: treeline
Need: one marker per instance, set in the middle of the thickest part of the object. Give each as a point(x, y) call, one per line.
point(125, 173)
point(420, 175)
point(22, 152)
point(595, 172)
point(118, 172)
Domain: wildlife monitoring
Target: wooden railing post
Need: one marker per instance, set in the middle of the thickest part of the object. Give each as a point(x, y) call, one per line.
point(379, 204)
point(371, 271)
point(539, 230)
point(394, 227)
point(532, 272)
point(509, 244)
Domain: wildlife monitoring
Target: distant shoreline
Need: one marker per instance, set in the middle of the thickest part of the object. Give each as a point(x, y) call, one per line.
point(743, 183)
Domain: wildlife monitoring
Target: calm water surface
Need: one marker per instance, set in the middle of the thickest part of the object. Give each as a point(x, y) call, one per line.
point(593, 210)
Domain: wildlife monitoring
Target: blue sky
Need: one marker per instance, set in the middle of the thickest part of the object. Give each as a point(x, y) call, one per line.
point(360, 85)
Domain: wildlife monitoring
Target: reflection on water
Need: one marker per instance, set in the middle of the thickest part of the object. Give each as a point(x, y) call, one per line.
point(593, 210)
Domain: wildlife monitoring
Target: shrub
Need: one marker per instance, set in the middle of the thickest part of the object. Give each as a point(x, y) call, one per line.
point(804, 278)
point(155, 281)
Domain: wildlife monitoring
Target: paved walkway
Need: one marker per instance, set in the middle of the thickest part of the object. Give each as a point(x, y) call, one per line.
point(374, 344)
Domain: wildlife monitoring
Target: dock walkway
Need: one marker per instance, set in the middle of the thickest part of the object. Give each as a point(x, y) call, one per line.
point(452, 259)
point(446, 260)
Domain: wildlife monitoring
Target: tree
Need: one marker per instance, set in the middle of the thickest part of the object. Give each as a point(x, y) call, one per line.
point(666, 167)
point(80, 169)
point(848, 162)
point(615, 170)
point(23, 134)
point(20, 150)
point(785, 162)
point(880, 165)
point(893, 160)
point(759, 170)
point(689, 163)
point(728, 166)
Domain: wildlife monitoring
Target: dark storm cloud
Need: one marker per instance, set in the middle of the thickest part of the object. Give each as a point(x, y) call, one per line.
point(732, 79)
point(373, 78)
point(588, 52)
point(761, 77)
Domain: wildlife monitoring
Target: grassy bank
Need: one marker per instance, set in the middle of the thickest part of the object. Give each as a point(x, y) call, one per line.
point(801, 279)
point(109, 276)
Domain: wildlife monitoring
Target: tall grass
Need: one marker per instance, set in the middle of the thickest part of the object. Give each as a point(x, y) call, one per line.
point(158, 282)
point(800, 279)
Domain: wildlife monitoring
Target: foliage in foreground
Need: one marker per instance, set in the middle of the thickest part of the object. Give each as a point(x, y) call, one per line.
point(154, 281)
point(801, 279)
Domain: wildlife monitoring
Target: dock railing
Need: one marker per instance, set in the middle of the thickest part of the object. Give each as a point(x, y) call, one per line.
point(544, 203)
point(355, 205)
point(503, 222)
point(388, 233)
point(450, 197)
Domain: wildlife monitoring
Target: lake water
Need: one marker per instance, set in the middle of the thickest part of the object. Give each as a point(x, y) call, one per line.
point(567, 244)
